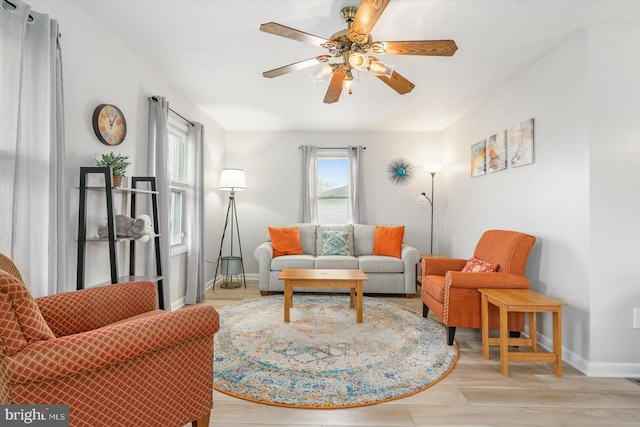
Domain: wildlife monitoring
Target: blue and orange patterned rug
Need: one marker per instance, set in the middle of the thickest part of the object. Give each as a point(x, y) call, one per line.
point(323, 358)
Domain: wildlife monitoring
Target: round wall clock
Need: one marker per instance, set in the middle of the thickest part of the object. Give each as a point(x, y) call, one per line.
point(109, 124)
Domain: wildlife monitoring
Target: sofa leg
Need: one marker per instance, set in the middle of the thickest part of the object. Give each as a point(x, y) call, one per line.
point(203, 421)
point(265, 293)
point(451, 332)
point(409, 295)
point(425, 310)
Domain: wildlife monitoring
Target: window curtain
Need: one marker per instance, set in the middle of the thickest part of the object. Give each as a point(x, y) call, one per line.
point(196, 283)
point(308, 197)
point(356, 185)
point(33, 212)
point(158, 167)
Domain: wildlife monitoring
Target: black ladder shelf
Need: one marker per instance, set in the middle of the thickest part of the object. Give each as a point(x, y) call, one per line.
point(109, 191)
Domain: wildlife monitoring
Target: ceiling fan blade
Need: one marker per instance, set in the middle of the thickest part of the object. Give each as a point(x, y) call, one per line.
point(292, 33)
point(335, 87)
point(366, 17)
point(397, 83)
point(296, 66)
point(416, 47)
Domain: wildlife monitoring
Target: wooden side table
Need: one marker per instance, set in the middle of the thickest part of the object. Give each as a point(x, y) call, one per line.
point(527, 301)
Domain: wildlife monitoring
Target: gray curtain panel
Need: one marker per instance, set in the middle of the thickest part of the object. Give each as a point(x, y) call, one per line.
point(33, 230)
point(196, 283)
point(308, 195)
point(158, 161)
point(356, 185)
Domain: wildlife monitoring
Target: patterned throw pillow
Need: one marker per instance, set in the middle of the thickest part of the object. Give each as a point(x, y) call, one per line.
point(476, 265)
point(335, 242)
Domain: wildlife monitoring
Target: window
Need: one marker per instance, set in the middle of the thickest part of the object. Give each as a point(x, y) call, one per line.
point(333, 186)
point(178, 182)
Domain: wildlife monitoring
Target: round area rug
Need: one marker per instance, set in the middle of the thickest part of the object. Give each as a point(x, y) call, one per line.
point(323, 358)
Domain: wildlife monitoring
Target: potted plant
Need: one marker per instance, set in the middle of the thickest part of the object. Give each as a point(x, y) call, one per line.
point(118, 164)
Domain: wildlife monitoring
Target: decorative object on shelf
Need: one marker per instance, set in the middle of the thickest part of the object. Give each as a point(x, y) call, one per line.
point(232, 180)
point(400, 171)
point(433, 169)
point(497, 152)
point(118, 164)
point(109, 124)
point(520, 144)
point(140, 228)
point(479, 158)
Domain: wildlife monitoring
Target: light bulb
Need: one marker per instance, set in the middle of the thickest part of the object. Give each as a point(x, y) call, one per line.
point(347, 83)
point(321, 73)
point(358, 60)
point(379, 68)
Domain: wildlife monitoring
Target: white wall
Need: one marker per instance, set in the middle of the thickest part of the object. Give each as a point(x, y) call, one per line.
point(272, 164)
point(585, 128)
point(98, 68)
point(614, 86)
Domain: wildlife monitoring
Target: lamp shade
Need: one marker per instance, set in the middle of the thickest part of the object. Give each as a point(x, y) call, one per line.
point(433, 168)
point(232, 179)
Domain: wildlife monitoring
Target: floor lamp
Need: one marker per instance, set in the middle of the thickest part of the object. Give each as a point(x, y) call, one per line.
point(231, 180)
point(433, 169)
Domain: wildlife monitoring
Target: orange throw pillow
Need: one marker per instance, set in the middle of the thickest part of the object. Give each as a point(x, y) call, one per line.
point(286, 241)
point(387, 241)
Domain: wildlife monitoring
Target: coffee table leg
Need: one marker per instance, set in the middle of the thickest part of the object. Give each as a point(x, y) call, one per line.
point(352, 302)
point(287, 299)
point(359, 303)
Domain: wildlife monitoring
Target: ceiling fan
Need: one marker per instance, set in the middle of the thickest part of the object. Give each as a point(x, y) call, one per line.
point(352, 48)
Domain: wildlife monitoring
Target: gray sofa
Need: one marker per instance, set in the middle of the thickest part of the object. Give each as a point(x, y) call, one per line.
point(387, 275)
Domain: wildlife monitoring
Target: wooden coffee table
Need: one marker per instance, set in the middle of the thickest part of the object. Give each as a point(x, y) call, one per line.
point(312, 278)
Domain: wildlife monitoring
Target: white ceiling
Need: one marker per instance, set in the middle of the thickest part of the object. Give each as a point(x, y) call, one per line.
point(214, 53)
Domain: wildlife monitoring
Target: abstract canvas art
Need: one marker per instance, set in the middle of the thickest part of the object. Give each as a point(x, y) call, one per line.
point(520, 144)
point(497, 151)
point(478, 158)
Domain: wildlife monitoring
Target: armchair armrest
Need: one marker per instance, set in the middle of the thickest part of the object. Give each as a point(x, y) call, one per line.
point(69, 355)
point(440, 266)
point(458, 279)
point(87, 309)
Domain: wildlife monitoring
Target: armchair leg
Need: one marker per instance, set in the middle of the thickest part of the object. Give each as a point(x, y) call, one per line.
point(203, 421)
point(451, 332)
point(425, 310)
point(514, 334)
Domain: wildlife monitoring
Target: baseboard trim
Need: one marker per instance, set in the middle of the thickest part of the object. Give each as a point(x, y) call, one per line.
point(590, 369)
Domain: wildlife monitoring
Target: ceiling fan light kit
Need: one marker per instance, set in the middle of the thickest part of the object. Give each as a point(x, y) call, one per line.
point(350, 49)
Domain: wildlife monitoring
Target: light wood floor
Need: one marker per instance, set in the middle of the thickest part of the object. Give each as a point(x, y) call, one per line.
point(473, 394)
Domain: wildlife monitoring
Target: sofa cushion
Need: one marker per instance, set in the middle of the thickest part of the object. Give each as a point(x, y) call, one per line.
point(308, 238)
point(286, 241)
point(23, 315)
point(335, 242)
point(380, 264)
point(476, 265)
point(387, 241)
point(363, 239)
point(336, 227)
point(340, 262)
point(292, 261)
point(434, 286)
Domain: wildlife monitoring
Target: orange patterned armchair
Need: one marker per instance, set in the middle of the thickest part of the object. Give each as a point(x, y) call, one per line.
point(107, 353)
point(453, 294)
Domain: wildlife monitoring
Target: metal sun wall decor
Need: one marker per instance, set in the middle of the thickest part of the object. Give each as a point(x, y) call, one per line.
point(400, 171)
point(509, 148)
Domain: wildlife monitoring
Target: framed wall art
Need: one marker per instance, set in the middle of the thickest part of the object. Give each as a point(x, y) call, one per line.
point(497, 152)
point(478, 158)
point(520, 144)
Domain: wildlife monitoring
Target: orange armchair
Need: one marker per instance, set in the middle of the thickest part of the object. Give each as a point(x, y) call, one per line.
point(453, 295)
point(107, 353)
